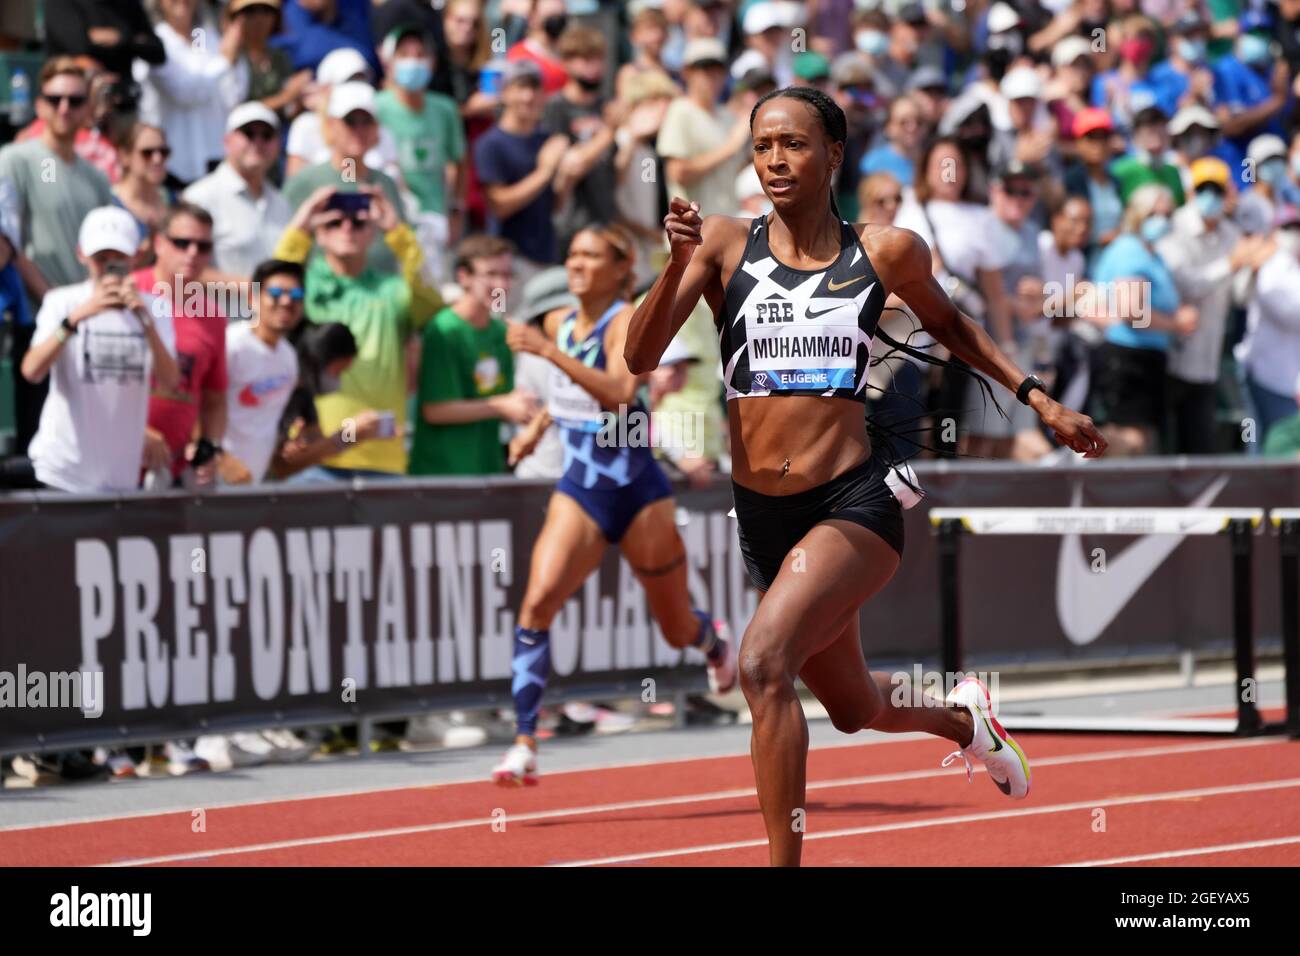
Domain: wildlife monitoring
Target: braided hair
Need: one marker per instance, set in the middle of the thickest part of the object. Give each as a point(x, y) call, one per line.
point(885, 439)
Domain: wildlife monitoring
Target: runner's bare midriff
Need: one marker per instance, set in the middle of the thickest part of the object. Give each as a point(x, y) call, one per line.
point(820, 437)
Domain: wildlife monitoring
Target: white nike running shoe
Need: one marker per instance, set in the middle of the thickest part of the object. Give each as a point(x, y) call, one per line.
point(1007, 764)
point(517, 768)
point(722, 673)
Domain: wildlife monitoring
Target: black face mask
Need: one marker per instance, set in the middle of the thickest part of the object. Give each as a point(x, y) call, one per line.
point(976, 142)
point(588, 86)
point(555, 25)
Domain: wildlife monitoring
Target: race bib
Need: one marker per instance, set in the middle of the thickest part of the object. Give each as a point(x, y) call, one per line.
point(810, 345)
point(571, 405)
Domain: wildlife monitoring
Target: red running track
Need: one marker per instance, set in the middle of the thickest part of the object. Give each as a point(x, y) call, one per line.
point(1097, 800)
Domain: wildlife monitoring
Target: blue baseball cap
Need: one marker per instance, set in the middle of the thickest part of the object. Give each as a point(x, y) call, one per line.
point(1255, 20)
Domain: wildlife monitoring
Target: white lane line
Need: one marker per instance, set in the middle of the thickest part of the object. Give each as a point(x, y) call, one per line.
point(1198, 851)
point(1064, 759)
point(948, 821)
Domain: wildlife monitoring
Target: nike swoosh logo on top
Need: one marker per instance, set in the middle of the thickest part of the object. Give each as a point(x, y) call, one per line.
point(830, 283)
point(1086, 603)
point(810, 314)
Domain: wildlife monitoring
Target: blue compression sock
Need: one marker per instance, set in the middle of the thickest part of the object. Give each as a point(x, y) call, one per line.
point(708, 640)
point(531, 666)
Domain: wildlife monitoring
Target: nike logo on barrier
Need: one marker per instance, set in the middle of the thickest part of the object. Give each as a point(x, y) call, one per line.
point(830, 283)
point(1086, 603)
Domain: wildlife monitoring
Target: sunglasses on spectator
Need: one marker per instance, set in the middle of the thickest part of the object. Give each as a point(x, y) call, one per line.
point(893, 199)
point(357, 222)
point(74, 101)
point(258, 132)
point(295, 293)
point(358, 118)
point(1097, 135)
point(153, 152)
point(184, 243)
point(1021, 192)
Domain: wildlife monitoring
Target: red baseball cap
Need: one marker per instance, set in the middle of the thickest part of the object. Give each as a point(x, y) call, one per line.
point(1092, 118)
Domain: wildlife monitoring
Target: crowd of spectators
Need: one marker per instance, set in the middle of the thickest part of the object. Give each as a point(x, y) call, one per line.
point(278, 240)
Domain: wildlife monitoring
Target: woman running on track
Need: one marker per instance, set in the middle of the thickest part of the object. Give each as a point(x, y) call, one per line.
point(607, 495)
point(796, 296)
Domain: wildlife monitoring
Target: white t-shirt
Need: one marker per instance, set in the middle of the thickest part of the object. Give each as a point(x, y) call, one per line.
point(973, 238)
point(91, 433)
point(261, 380)
point(307, 140)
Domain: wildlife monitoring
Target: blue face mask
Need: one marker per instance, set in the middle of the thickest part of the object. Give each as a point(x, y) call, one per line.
point(872, 42)
point(1273, 171)
point(1252, 49)
point(412, 75)
point(1155, 228)
point(1193, 51)
point(1210, 204)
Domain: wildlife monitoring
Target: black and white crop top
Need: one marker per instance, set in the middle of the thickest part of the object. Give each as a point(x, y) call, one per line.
point(787, 331)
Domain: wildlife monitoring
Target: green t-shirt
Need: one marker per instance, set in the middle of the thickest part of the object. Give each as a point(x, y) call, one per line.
point(1130, 172)
point(376, 309)
point(53, 198)
point(1283, 439)
point(299, 187)
point(426, 142)
point(460, 362)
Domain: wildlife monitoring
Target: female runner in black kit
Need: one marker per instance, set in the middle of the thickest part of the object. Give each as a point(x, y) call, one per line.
point(796, 296)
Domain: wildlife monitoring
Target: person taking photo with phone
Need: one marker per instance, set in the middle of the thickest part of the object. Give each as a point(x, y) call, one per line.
point(382, 311)
point(99, 342)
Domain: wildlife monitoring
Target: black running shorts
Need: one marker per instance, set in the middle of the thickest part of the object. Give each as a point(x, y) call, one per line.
point(771, 525)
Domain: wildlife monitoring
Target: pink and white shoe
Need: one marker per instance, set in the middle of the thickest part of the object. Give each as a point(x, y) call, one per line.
point(518, 768)
point(722, 673)
point(1007, 764)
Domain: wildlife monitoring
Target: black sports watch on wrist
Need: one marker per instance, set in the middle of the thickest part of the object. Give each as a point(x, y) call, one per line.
point(1030, 383)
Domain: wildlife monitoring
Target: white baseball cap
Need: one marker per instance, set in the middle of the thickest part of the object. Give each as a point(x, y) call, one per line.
point(1070, 49)
point(1002, 16)
point(676, 353)
point(1189, 116)
point(1266, 146)
point(251, 112)
point(108, 228)
point(348, 97)
point(339, 66)
point(1021, 83)
point(704, 50)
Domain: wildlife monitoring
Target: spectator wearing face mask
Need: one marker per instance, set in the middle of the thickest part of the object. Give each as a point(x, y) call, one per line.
point(546, 24)
point(1267, 156)
point(1272, 352)
point(871, 38)
point(1289, 188)
point(1115, 90)
point(1252, 89)
point(1184, 78)
point(426, 126)
point(1203, 251)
